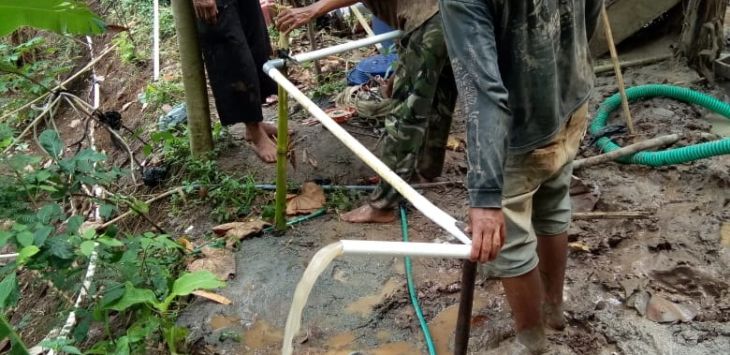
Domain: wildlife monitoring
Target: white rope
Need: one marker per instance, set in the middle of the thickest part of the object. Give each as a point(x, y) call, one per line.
point(156, 40)
point(97, 191)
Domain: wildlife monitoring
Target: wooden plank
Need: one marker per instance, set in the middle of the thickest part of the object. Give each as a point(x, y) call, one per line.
point(628, 17)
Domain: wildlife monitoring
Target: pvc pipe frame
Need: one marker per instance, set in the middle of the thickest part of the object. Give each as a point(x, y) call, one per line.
point(433, 250)
point(438, 216)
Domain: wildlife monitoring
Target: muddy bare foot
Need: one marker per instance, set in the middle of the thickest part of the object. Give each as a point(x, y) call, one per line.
point(262, 144)
point(270, 129)
point(553, 316)
point(368, 214)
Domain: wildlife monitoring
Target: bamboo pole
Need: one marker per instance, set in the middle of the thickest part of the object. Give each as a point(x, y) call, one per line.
point(282, 147)
point(617, 69)
point(365, 25)
point(193, 75)
point(631, 63)
point(627, 150)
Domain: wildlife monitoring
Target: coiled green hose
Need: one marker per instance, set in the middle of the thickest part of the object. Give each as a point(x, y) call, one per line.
point(669, 156)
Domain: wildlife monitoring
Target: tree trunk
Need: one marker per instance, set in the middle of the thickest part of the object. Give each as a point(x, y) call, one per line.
point(196, 95)
point(702, 37)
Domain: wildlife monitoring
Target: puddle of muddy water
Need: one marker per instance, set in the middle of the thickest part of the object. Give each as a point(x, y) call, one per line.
point(364, 306)
point(262, 338)
point(220, 322)
point(342, 345)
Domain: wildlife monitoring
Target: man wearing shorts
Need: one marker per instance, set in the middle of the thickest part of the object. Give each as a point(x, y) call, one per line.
point(523, 70)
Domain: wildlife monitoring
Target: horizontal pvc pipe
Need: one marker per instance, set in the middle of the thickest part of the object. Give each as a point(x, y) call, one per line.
point(441, 218)
point(433, 250)
point(328, 51)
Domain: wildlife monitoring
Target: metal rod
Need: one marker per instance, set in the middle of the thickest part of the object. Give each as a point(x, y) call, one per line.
point(438, 216)
point(466, 303)
point(373, 247)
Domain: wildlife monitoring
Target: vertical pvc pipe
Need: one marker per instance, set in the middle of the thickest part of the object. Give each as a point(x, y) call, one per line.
point(156, 40)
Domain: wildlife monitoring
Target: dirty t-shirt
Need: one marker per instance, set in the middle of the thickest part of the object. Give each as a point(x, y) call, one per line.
point(522, 68)
point(405, 15)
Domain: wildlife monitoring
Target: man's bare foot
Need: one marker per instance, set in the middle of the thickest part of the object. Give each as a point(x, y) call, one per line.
point(270, 129)
point(262, 144)
point(553, 315)
point(369, 214)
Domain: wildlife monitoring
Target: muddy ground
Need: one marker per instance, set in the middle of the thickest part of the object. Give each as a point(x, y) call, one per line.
point(681, 254)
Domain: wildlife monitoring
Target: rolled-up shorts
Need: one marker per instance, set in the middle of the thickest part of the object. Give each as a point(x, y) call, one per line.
point(536, 197)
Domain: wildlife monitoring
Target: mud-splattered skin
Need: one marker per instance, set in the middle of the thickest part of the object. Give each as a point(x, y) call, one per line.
point(522, 68)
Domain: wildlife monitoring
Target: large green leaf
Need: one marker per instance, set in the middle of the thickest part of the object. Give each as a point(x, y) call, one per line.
point(49, 139)
point(26, 253)
point(189, 282)
point(8, 286)
point(133, 296)
point(6, 332)
point(60, 16)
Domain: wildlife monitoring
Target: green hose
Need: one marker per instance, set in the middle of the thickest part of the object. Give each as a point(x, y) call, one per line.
point(669, 156)
point(412, 287)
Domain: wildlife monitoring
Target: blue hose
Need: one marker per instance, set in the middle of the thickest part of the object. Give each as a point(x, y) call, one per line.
point(412, 286)
point(669, 156)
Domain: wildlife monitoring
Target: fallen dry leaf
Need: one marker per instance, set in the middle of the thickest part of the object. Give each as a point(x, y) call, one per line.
point(240, 229)
point(309, 200)
point(455, 144)
point(187, 244)
point(237, 231)
point(220, 262)
point(213, 297)
point(579, 246)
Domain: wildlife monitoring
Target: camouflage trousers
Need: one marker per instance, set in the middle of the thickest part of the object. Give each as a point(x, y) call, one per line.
point(423, 99)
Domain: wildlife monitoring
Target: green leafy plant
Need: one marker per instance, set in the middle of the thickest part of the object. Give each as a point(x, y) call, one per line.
point(140, 275)
point(6, 332)
point(331, 84)
point(163, 92)
point(141, 300)
point(61, 16)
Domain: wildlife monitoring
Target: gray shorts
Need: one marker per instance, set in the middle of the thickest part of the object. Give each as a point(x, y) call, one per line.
point(536, 197)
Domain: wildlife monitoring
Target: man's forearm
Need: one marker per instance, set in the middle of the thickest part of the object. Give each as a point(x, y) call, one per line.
point(470, 38)
point(325, 6)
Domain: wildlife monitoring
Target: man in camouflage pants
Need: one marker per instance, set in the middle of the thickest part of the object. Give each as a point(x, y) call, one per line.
point(423, 96)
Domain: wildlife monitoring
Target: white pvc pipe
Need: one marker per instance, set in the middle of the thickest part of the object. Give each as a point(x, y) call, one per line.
point(156, 40)
point(441, 218)
point(8, 256)
point(344, 47)
point(433, 250)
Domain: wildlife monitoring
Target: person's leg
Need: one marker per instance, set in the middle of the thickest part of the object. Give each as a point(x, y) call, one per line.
point(432, 156)
point(233, 76)
point(417, 76)
point(551, 220)
point(524, 175)
point(516, 265)
point(257, 35)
